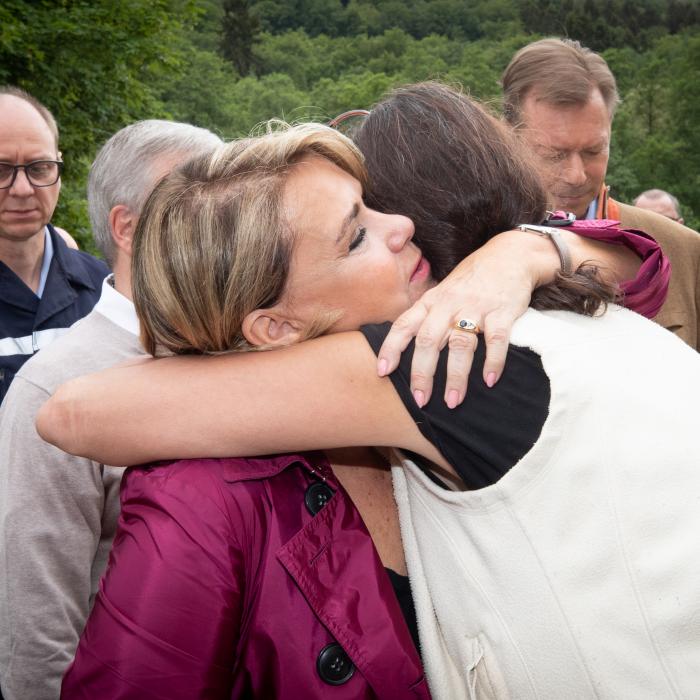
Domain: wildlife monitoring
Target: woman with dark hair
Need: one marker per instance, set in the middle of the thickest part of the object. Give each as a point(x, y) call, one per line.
point(426, 160)
point(512, 600)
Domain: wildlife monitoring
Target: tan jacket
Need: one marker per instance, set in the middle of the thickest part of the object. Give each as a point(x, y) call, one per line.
point(681, 311)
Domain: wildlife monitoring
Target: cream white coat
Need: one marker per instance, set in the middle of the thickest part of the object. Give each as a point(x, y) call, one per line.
point(577, 575)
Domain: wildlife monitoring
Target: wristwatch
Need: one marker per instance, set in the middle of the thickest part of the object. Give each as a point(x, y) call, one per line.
point(554, 235)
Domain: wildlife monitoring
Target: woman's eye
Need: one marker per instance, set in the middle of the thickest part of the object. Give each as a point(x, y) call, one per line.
point(358, 238)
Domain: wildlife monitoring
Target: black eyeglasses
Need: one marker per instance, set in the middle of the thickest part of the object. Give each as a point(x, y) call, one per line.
point(40, 173)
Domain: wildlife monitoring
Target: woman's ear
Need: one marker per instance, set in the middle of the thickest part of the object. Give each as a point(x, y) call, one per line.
point(269, 327)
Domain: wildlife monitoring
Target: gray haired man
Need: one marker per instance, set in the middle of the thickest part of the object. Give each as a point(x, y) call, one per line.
point(58, 513)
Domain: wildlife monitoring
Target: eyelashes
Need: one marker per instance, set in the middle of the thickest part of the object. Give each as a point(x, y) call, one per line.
point(360, 235)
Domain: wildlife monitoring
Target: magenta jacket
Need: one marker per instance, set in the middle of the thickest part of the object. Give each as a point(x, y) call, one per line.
point(222, 584)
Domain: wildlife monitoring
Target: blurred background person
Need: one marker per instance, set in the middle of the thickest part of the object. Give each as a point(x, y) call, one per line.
point(661, 202)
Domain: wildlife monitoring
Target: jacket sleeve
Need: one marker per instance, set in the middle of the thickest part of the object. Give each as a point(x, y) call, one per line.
point(647, 292)
point(51, 517)
point(166, 619)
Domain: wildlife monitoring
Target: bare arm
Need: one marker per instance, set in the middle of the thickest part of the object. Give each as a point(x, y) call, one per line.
point(493, 287)
point(318, 395)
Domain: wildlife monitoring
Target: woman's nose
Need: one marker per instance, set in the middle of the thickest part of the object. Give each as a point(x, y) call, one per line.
point(401, 232)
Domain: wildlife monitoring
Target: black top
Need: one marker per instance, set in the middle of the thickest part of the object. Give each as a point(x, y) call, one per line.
point(402, 588)
point(493, 428)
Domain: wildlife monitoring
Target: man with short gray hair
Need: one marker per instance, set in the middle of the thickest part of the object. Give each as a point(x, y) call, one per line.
point(661, 202)
point(560, 98)
point(58, 513)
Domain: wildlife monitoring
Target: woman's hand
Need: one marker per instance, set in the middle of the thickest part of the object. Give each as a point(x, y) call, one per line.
point(491, 287)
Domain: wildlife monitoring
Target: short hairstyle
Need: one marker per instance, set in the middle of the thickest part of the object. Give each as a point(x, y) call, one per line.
point(659, 194)
point(213, 242)
point(13, 91)
point(557, 72)
point(437, 156)
point(124, 170)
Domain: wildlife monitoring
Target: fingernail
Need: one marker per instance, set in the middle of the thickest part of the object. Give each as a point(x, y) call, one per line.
point(419, 397)
point(490, 379)
point(452, 398)
point(382, 367)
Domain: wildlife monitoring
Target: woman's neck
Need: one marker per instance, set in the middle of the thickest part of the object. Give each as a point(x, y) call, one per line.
point(366, 477)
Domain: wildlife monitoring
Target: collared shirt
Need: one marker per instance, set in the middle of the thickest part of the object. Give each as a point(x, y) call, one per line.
point(30, 322)
point(592, 209)
point(46, 262)
point(47, 497)
point(118, 308)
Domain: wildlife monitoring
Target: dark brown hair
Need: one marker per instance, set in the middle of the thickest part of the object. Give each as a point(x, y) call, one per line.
point(558, 72)
point(438, 157)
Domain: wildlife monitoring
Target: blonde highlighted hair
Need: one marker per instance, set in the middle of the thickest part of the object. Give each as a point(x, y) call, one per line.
point(213, 243)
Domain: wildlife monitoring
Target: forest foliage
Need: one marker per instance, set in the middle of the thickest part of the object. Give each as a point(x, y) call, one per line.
point(230, 64)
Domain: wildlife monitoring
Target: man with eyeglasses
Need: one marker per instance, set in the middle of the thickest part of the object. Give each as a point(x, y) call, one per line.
point(45, 286)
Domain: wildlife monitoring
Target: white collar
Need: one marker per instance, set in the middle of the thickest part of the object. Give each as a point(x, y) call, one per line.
point(117, 308)
point(592, 209)
point(46, 262)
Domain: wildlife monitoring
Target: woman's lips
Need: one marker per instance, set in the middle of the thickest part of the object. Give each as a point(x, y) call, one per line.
point(422, 270)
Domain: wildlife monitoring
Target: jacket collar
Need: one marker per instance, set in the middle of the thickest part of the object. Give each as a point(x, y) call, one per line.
point(72, 265)
point(254, 468)
point(66, 272)
point(607, 206)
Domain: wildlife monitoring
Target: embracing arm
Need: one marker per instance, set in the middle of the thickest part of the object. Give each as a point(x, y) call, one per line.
point(320, 394)
point(494, 285)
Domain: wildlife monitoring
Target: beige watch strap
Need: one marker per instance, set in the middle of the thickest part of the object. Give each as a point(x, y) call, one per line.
point(554, 235)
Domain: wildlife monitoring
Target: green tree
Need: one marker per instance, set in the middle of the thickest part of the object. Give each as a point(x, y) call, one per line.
point(97, 66)
point(231, 64)
point(240, 28)
point(655, 134)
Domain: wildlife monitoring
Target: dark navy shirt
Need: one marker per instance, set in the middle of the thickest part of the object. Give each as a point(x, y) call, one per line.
point(27, 322)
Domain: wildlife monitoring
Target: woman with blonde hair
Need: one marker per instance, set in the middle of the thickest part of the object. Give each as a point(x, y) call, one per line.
point(487, 489)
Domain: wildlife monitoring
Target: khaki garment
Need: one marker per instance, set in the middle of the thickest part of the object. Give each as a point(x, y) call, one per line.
point(681, 245)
